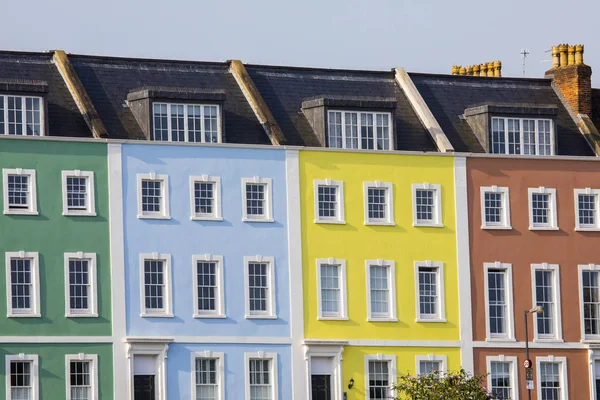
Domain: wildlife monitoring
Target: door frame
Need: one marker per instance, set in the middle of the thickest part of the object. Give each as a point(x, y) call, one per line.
point(149, 347)
point(329, 349)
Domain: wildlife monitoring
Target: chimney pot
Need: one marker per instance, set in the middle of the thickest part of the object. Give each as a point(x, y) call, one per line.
point(463, 71)
point(483, 69)
point(497, 69)
point(490, 69)
point(571, 57)
point(455, 69)
point(469, 70)
point(555, 57)
point(476, 69)
point(562, 50)
point(578, 54)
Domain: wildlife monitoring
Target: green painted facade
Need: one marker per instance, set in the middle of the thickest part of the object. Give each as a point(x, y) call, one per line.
point(51, 235)
point(52, 368)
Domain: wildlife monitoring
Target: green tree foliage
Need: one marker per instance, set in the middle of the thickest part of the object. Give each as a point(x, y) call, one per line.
point(442, 386)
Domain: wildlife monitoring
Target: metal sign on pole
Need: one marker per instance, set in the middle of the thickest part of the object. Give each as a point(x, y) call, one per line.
point(529, 385)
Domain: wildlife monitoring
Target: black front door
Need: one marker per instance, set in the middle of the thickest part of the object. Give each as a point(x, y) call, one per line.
point(143, 387)
point(321, 387)
point(597, 389)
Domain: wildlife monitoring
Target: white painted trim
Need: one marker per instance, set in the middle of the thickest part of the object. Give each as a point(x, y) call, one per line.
point(56, 339)
point(216, 215)
point(340, 217)
point(581, 269)
point(513, 368)
point(185, 116)
point(220, 358)
point(327, 349)
point(437, 221)
point(92, 310)
point(463, 263)
point(159, 349)
point(557, 301)
point(35, 384)
point(403, 343)
point(90, 210)
point(167, 310)
point(505, 223)
point(392, 301)
point(522, 133)
point(268, 202)
point(214, 339)
point(391, 359)
point(343, 312)
point(389, 203)
point(93, 360)
point(273, 366)
point(32, 208)
point(359, 137)
point(219, 311)
point(552, 225)
point(23, 110)
point(508, 344)
point(441, 306)
point(165, 211)
point(508, 284)
point(36, 310)
point(117, 266)
point(596, 194)
point(443, 360)
point(564, 382)
point(271, 312)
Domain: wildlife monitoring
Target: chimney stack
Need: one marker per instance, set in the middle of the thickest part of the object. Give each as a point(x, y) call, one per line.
point(490, 69)
point(572, 77)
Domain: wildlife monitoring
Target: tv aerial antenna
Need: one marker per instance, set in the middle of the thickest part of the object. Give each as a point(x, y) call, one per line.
point(524, 54)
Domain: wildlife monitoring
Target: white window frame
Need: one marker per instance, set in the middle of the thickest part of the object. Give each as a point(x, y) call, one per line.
point(93, 360)
point(441, 317)
point(220, 292)
point(185, 121)
point(358, 127)
point(596, 194)
point(92, 276)
point(391, 359)
point(552, 217)
point(437, 204)
point(443, 360)
point(564, 384)
point(5, 97)
point(268, 183)
point(557, 302)
point(90, 210)
point(261, 355)
point(391, 269)
point(32, 208)
point(35, 385)
point(271, 312)
point(505, 223)
point(340, 217)
point(389, 202)
point(35, 284)
point(581, 269)
point(521, 137)
point(343, 314)
point(168, 294)
point(165, 212)
point(216, 215)
point(207, 354)
point(510, 318)
point(513, 362)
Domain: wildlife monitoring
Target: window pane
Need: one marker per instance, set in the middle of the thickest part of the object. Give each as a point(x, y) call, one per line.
point(514, 136)
point(81, 384)
point(540, 209)
point(161, 122)
point(330, 290)
point(327, 201)
point(204, 198)
point(351, 130)
point(497, 302)
point(425, 205)
point(550, 381)
point(255, 199)
point(79, 285)
point(21, 284)
point(380, 291)
point(376, 204)
point(529, 136)
point(258, 286)
point(501, 380)
point(21, 387)
point(591, 302)
point(15, 115)
point(428, 367)
point(18, 192)
point(335, 129)
point(498, 141)
point(379, 380)
point(76, 193)
point(383, 131)
point(545, 137)
point(207, 286)
point(366, 131)
point(428, 292)
point(151, 196)
point(211, 127)
point(33, 119)
point(194, 124)
point(587, 209)
point(207, 386)
point(493, 207)
point(544, 294)
point(2, 121)
point(177, 123)
point(260, 380)
point(154, 284)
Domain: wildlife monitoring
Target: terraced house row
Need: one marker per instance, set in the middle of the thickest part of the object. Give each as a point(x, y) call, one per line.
point(217, 231)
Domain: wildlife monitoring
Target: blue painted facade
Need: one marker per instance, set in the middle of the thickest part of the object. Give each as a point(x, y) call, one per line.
point(231, 238)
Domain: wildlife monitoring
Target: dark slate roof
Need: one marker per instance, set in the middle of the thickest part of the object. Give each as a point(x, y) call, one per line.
point(63, 116)
point(449, 95)
point(596, 108)
point(285, 88)
point(108, 80)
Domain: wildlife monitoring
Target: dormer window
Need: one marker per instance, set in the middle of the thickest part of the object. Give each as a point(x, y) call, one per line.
point(198, 123)
point(359, 130)
point(21, 115)
point(525, 136)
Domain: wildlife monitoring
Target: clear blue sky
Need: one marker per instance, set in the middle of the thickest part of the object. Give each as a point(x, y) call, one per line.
point(419, 35)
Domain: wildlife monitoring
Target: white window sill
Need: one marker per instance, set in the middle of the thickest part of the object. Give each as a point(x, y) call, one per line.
point(79, 214)
point(543, 228)
point(380, 223)
point(497, 228)
point(210, 316)
point(579, 229)
point(326, 318)
point(257, 219)
point(205, 218)
point(431, 320)
point(32, 315)
point(427, 225)
point(150, 216)
point(332, 221)
point(20, 212)
point(150, 315)
point(591, 340)
point(381, 319)
point(90, 315)
point(542, 340)
point(261, 316)
point(499, 339)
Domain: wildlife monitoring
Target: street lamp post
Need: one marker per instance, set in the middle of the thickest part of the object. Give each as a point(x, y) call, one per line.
point(534, 310)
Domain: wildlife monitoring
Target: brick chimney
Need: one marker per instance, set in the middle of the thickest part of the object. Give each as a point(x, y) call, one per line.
point(572, 77)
